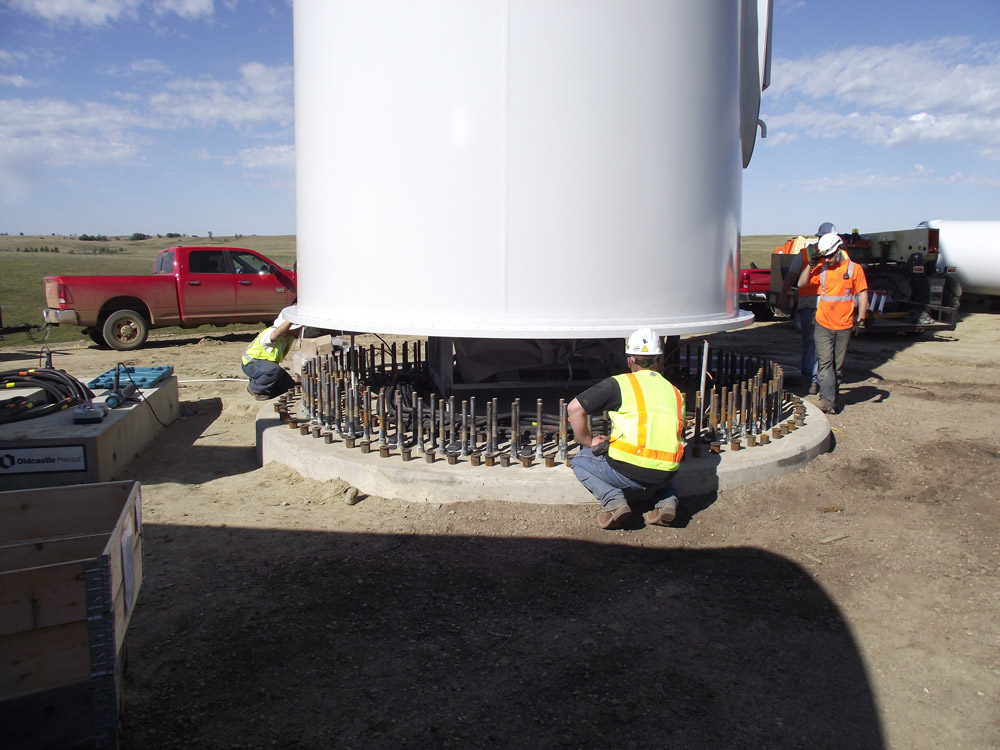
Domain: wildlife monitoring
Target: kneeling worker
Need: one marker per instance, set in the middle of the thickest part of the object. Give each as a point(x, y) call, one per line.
point(646, 444)
point(262, 360)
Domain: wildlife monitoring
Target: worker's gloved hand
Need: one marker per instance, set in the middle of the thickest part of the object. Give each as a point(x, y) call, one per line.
point(861, 327)
point(815, 257)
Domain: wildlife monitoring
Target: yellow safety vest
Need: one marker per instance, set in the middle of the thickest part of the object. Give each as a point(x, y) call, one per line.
point(647, 430)
point(275, 353)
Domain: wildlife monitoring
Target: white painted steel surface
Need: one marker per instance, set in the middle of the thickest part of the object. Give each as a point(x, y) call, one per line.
point(523, 168)
point(973, 248)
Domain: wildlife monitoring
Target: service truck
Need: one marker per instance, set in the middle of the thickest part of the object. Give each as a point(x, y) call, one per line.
point(190, 286)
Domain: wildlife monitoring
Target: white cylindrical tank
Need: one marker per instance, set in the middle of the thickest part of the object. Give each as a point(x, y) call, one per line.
point(973, 248)
point(523, 168)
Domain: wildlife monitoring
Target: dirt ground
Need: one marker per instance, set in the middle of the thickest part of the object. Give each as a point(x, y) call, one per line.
point(854, 603)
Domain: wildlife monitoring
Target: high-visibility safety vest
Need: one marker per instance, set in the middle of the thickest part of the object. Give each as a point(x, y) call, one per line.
point(837, 295)
point(647, 428)
point(274, 353)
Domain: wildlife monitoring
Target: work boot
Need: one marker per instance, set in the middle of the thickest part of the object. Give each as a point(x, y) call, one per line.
point(661, 515)
point(613, 519)
point(813, 388)
point(826, 407)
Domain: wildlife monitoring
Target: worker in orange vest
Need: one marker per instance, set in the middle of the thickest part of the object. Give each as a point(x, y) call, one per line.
point(841, 284)
point(805, 307)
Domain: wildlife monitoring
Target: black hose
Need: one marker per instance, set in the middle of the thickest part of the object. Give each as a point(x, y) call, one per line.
point(60, 388)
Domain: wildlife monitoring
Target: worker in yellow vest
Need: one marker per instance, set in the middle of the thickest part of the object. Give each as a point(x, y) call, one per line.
point(262, 360)
point(646, 444)
point(841, 286)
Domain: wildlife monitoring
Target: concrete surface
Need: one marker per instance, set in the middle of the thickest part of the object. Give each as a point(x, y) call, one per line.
point(443, 483)
point(52, 450)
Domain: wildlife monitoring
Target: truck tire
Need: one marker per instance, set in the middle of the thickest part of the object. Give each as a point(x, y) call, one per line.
point(125, 330)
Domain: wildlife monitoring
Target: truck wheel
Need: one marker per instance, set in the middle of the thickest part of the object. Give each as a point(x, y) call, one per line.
point(125, 330)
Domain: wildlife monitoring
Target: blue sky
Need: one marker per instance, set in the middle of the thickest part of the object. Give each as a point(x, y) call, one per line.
point(155, 116)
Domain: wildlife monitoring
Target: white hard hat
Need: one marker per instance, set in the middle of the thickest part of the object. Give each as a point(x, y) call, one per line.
point(644, 343)
point(825, 228)
point(281, 319)
point(829, 244)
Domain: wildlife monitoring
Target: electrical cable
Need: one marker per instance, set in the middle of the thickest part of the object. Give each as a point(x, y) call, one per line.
point(139, 393)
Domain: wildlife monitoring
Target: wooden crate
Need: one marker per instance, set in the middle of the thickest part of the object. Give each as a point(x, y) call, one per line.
point(70, 570)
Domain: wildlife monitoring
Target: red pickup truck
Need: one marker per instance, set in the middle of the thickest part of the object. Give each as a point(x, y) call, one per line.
point(754, 285)
point(190, 287)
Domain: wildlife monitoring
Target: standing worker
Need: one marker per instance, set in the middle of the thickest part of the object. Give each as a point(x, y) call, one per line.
point(805, 307)
point(646, 443)
point(841, 283)
point(262, 360)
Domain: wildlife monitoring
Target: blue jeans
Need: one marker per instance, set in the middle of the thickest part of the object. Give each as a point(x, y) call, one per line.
point(608, 485)
point(807, 322)
point(266, 377)
point(831, 350)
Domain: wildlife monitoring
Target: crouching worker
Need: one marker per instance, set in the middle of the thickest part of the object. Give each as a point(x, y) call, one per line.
point(645, 447)
point(262, 360)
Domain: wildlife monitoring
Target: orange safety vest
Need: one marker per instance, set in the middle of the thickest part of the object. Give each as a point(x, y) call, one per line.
point(811, 287)
point(835, 309)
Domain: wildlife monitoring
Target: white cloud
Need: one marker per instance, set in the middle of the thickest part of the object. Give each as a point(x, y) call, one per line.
point(84, 12)
point(11, 58)
point(101, 12)
point(282, 157)
point(918, 176)
point(944, 90)
point(184, 8)
point(17, 81)
point(149, 65)
point(143, 66)
point(58, 133)
point(262, 95)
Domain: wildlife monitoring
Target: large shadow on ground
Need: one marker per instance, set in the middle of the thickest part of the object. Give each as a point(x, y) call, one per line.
point(374, 641)
point(183, 458)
